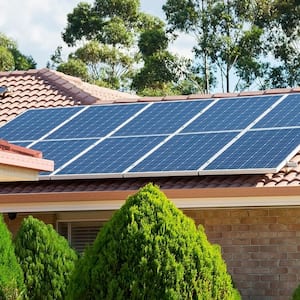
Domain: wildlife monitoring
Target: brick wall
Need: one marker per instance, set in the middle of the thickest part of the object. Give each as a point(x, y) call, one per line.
point(13, 225)
point(261, 247)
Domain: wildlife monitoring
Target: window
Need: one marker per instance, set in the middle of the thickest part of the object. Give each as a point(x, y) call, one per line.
point(79, 233)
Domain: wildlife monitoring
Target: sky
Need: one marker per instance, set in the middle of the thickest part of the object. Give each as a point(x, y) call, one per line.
point(36, 26)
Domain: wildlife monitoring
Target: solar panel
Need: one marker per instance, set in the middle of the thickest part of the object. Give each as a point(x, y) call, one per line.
point(286, 114)
point(184, 152)
point(231, 114)
point(163, 118)
point(63, 150)
point(258, 149)
point(96, 121)
point(215, 136)
point(34, 123)
point(113, 155)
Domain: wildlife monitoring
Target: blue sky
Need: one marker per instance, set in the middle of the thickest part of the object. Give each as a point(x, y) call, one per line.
point(36, 25)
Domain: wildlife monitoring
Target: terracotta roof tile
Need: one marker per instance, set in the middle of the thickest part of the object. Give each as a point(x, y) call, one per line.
point(44, 88)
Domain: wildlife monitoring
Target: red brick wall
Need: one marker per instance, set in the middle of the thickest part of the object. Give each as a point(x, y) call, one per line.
point(261, 247)
point(13, 225)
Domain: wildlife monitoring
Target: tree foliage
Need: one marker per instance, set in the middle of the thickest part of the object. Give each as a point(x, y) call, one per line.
point(296, 294)
point(106, 33)
point(162, 73)
point(11, 58)
point(46, 259)
point(225, 39)
point(281, 24)
point(255, 41)
point(11, 274)
point(151, 250)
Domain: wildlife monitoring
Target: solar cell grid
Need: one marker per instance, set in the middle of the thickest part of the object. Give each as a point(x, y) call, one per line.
point(62, 151)
point(258, 149)
point(113, 155)
point(124, 136)
point(231, 114)
point(287, 113)
point(184, 152)
point(35, 123)
point(96, 121)
point(163, 118)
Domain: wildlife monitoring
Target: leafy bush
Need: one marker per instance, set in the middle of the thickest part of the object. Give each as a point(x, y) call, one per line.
point(11, 275)
point(46, 259)
point(296, 294)
point(151, 250)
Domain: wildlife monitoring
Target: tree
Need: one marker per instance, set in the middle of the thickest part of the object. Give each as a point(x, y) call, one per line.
point(11, 274)
point(107, 33)
point(162, 73)
point(225, 38)
point(74, 67)
point(151, 250)
point(281, 24)
point(46, 259)
point(11, 58)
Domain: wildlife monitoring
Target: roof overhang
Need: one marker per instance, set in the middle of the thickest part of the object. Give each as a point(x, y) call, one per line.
point(182, 198)
point(21, 164)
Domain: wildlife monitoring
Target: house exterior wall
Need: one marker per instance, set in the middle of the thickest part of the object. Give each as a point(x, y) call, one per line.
point(14, 225)
point(261, 247)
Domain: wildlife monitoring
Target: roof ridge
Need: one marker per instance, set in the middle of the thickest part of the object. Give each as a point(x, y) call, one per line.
point(60, 80)
point(222, 95)
point(19, 72)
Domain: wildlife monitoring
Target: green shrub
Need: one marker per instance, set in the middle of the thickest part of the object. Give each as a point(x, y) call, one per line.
point(11, 275)
point(296, 294)
point(46, 259)
point(151, 250)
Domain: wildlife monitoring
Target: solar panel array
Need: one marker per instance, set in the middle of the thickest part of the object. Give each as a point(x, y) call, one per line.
point(194, 137)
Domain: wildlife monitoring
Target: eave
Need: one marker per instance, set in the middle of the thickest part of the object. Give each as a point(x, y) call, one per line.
point(183, 198)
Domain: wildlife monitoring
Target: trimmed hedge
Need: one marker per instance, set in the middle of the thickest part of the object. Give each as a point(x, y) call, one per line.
point(46, 259)
point(11, 274)
point(151, 250)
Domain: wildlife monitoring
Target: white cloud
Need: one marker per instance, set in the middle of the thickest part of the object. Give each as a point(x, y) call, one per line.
point(183, 45)
point(36, 25)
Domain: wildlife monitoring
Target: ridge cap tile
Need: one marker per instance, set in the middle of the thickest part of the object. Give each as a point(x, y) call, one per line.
point(278, 91)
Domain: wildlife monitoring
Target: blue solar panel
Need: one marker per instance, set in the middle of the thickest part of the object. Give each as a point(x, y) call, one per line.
point(113, 155)
point(33, 124)
point(97, 121)
point(231, 114)
point(184, 152)
point(163, 118)
point(258, 149)
point(61, 151)
point(138, 128)
point(22, 144)
point(285, 114)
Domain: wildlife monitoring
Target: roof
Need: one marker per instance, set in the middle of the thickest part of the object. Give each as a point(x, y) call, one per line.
point(48, 88)
point(18, 163)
